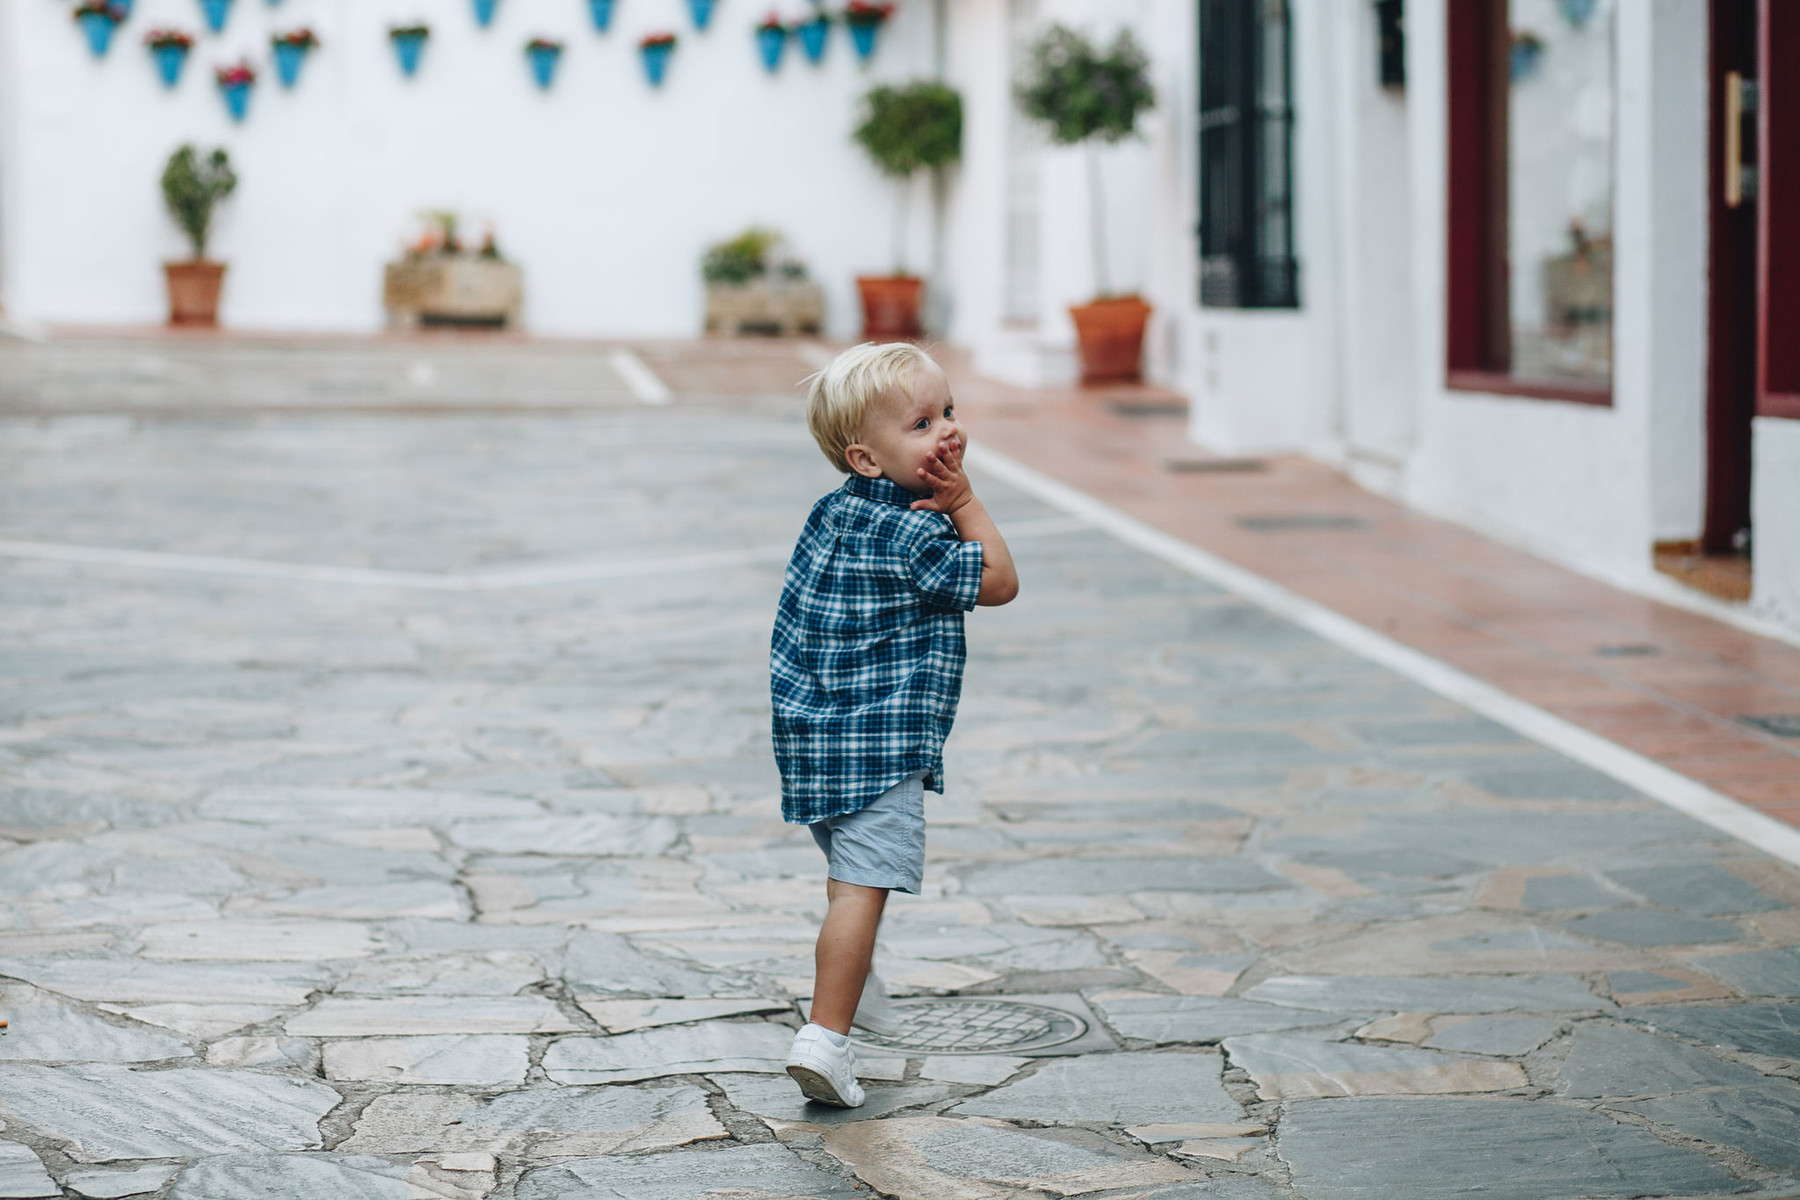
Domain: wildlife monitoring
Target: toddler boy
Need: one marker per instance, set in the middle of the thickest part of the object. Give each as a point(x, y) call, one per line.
point(866, 667)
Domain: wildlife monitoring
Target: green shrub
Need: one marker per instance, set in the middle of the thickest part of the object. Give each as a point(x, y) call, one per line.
point(743, 258)
point(911, 128)
point(192, 186)
point(1080, 92)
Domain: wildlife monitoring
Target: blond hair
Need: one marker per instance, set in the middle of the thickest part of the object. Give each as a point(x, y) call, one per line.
point(839, 396)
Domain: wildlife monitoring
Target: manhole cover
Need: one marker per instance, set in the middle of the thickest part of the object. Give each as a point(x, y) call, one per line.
point(977, 1026)
point(1785, 725)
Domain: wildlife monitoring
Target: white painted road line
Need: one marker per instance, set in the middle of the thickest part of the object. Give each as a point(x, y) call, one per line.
point(1609, 758)
point(639, 378)
point(588, 570)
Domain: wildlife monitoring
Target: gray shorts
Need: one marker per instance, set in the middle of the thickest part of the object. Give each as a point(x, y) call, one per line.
point(882, 845)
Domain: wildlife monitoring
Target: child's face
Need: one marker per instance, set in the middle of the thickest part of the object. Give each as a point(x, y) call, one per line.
point(898, 435)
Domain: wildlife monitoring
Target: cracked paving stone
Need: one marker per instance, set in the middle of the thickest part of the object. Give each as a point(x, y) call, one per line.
point(22, 1175)
point(1485, 994)
point(256, 941)
point(626, 1016)
point(338, 1176)
point(1760, 973)
point(778, 1099)
point(1296, 1068)
point(1608, 1061)
point(474, 1060)
point(1563, 893)
point(1643, 927)
point(1412, 1149)
point(1772, 1029)
point(353, 807)
point(933, 1158)
point(1098, 876)
point(1504, 1036)
point(1150, 1017)
point(670, 1050)
point(1133, 1088)
point(539, 1123)
point(133, 981)
point(1763, 1120)
point(106, 1112)
point(495, 973)
point(45, 1031)
point(597, 834)
point(596, 963)
point(112, 1184)
point(398, 1016)
point(752, 1172)
point(1698, 889)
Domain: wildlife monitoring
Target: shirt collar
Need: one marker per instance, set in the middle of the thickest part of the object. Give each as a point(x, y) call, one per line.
point(881, 491)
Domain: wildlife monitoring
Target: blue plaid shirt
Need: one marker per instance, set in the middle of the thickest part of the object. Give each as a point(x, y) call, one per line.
point(866, 663)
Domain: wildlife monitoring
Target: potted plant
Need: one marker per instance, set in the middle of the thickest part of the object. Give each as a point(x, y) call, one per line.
point(1086, 96)
point(192, 187)
point(438, 282)
point(656, 49)
point(813, 33)
point(216, 11)
point(771, 40)
point(905, 130)
point(409, 45)
point(169, 48)
point(484, 12)
point(744, 295)
point(702, 11)
point(98, 19)
point(543, 54)
point(235, 83)
point(291, 49)
point(865, 21)
point(602, 11)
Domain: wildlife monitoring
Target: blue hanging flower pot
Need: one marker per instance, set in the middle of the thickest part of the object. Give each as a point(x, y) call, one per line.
point(216, 12)
point(812, 34)
point(863, 38)
point(656, 52)
point(1526, 55)
point(409, 48)
point(703, 12)
point(543, 57)
point(1578, 12)
point(234, 86)
point(290, 56)
point(484, 12)
point(169, 57)
point(602, 11)
point(99, 28)
point(771, 40)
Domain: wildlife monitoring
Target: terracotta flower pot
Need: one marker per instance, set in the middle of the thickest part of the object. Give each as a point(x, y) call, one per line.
point(1112, 338)
point(194, 292)
point(890, 306)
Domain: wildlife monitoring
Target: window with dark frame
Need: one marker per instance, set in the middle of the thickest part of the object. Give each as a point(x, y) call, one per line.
point(1529, 257)
point(1246, 156)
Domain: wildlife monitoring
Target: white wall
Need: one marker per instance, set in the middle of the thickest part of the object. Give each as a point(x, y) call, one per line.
point(605, 190)
point(1775, 518)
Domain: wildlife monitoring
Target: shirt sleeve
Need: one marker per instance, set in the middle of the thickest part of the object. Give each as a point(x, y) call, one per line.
point(946, 571)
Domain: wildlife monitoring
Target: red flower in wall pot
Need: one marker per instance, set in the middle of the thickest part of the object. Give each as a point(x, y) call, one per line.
point(656, 49)
point(865, 21)
point(235, 83)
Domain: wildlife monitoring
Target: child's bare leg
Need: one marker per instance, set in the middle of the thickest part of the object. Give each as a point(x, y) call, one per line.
point(846, 948)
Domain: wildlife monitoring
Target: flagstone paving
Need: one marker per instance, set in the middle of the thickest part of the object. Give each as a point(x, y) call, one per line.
point(377, 885)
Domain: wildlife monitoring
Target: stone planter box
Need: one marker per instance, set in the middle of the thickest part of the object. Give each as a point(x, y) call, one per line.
point(783, 306)
point(445, 289)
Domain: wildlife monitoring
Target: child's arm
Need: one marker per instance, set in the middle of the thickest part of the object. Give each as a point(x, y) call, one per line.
point(952, 496)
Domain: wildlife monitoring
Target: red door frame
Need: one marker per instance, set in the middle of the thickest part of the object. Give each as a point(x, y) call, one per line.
point(1778, 158)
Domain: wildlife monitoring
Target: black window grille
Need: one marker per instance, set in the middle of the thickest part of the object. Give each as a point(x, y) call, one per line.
point(1390, 41)
point(1246, 156)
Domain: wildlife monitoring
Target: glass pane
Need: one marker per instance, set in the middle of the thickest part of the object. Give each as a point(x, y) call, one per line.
point(1559, 180)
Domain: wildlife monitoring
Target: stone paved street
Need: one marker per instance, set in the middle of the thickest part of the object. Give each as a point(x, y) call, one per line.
point(387, 811)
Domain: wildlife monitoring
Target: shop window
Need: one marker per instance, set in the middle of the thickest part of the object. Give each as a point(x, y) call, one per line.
point(1531, 195)
point(1246, 155)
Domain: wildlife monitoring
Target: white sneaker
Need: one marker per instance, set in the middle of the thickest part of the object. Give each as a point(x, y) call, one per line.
point(825, 1072)
point(874, 1011)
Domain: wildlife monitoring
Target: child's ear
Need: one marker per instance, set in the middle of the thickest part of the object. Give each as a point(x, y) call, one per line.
point(861, 461)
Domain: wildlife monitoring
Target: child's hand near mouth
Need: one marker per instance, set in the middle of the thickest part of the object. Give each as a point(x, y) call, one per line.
point(943, 474)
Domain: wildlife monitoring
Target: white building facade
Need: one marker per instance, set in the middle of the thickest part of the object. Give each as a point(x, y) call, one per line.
point(1483, 253)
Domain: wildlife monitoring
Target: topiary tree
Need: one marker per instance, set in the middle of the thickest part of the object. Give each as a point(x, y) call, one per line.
point(192, 186)
point(1085, 95)
point(907, 130)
